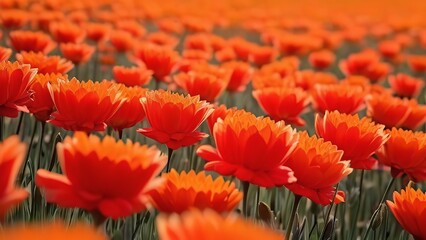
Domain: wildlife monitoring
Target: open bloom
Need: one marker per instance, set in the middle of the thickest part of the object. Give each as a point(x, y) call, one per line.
point(67, 32)
point(387, 110)
point(251, 149)
point(219, 112)
point(5, 53)
point(321, 59)
point(240, 75)
point(131, 111)
point(15, 80)
point(12, 153)
point(31, 41)
point(52, 231)
point(283, 103)
point(45, 64)
point(358, 138)
point(340, 97)
point(84, 106)
point(409, 209)
point(405, 153)
point(184, 191)
point(122, 40)
point(77, 53)
point(416, 117)
point(316, 159)
point(210, 225)
point(42, 105)
point(133, 76)
point(174, 118)
point(113, 178)
point(406, 86)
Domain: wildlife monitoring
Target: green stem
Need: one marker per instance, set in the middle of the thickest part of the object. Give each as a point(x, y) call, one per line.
point(18, 128)
point(354, 227)
point(246, 186)
point(296, 202)
point(329, 210)
point(391, 182)
point(98, 219)
point(169, 158)
point(1, 127)
point(28, 152)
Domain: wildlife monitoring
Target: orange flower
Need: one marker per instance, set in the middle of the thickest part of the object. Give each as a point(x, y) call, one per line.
point(131, 26)
point(45, 64)
point(417, 116)
point(322, 59)
point(405, 153)
point(198, 41)
point(358, 138)
point(67, 32)
point(207, 81)
point(162, 61)
point(308, 79)
point(409, 209)
point(417, 63)
point(389, 49)
point(52, 231)
point(219, 112)
point(111, 177)
point(200, 192)
point(225, 54)
point(131, 111)
point(174, 118)
point(133, 76)
point(261, 55)
point(31, 41)
point(406, 86)
point(366, 63)
point(251, 149)
point(344, 98)
point(84, 106)
point(98, 31)
point(15, 80)
point(163, 39)
point(283, 103)
point(387, 110)
point(12, 153)
point(122, 40)
point(241, 73)
point(209, 225)
point(42, 105)
point(316, 159)
point(169, 25)
point(241, 47)
point(5, 53)
point(77, 53)
point(13, 18)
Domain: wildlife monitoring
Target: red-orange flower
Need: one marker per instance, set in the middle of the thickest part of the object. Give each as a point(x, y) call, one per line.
point(5, 53)
point(340, 97)
point(241, 73)
point(283, 103)
point(67, 32)
point(174, 118)
point(31, 41)
point(122, 40)
point(184, 191)
point(207, 81)
point(261, 55)
point(406, 86)
point(389, 49)
point(417, 116)
point(111, 177)
point(15, 80)
point(321, 59)
point(405, 153)
point(42, 105)
point(131, 111)
point(84, 106)
point(387, 110)
point(12, 153)
point(52, 231)
point(45, 64)
point(163, 39)
point(417, 63)
point(409, 209)
point(77, 53)
point(308, 79)
point(219, 112)
point(13, 18)
point(251, 149)
point(209, 225)
point(162, 61)
point(132, 76)
point(98, 31)
point(316, 159)
point(358, 138)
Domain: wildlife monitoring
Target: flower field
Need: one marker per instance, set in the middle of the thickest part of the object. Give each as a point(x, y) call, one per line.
point(227, 119)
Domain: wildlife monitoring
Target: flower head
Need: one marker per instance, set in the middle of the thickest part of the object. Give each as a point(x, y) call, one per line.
point(358, 138)
point(12, 153)
point(240, 75)
point(15, 80)
point(321, 59)
point(174, 118)
point(316, 159)
point(109, 176)
point(406, 86)
point(387, 110)
point(84, 106)
point(67, 32)
point(220, 112)
point(122, 40)
point(209, 225)
point(251, 149)
point(405, 153)
point(77, 52)
point(45, 64)
point(31, 41)
point(409, 209)
point(5, 53)
point(416, 117)
point(201, 191)
point(133, 76)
